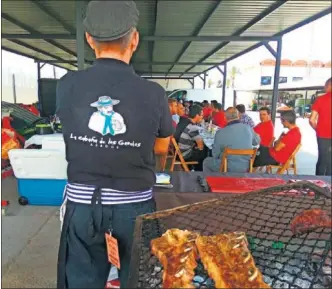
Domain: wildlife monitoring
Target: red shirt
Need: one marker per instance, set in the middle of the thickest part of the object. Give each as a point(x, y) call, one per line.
point(207, 112)
point(174, 124)
point(266, 132)
point(323, 106)
point(219, 119)
point(291, 140)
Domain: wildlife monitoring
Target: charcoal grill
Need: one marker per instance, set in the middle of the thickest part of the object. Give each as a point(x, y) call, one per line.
point(286, 260)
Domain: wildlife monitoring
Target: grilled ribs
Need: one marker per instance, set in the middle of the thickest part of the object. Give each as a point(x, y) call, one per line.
point(309, 220)
point(177, 253)
point(228, 261)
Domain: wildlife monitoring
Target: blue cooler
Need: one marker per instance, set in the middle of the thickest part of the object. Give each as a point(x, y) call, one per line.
point(40, 192)
point(41, 175)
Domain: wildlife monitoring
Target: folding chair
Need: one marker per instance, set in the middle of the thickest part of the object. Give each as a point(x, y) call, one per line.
point(290, 164)
point(259, 169)
point(182, 162)
point(237, 152)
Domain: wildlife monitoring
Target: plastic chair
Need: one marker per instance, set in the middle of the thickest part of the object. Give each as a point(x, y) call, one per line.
point(238, 152)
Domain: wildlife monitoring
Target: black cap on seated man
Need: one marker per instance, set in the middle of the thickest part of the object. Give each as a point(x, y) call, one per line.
point(110, 119)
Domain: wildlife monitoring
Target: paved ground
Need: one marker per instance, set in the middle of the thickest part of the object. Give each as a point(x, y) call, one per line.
point(30, 234)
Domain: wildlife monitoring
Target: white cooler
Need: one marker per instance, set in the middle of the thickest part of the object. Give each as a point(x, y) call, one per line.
point(41, 174)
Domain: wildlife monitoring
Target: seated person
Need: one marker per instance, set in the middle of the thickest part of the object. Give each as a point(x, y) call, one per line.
point(190, 142)
point(218, 115)
point(244, 118)
point(173, 107)
point(235, 135)
point(283, 148)
point(181, 111)
point(186, 107)
point(265, 128)
point(207, 110)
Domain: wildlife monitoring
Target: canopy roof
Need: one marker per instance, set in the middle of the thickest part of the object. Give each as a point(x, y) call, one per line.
point(178, 38)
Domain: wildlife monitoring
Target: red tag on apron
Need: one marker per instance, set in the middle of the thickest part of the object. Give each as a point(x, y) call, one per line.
point(112, 250)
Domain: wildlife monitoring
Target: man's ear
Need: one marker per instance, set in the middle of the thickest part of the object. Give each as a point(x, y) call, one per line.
point(89, 39)
point(135, 40)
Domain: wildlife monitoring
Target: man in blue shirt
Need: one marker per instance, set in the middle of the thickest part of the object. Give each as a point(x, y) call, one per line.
point(244, 118)
point(235, 135)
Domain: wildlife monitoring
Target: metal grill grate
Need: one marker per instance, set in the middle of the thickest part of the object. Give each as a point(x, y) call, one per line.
point(286, 261)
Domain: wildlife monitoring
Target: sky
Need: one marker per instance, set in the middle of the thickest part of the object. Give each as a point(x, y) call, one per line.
point(310, 42)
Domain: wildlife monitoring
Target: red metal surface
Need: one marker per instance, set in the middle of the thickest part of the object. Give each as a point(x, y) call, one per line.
point(240, 185)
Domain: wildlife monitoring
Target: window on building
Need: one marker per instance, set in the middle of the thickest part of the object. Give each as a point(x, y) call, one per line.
point(266, 80)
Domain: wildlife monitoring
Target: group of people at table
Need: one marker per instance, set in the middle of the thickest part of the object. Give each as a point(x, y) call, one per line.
point(236, 130)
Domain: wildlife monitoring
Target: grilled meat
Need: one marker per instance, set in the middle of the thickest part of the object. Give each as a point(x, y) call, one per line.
point(309, 220)
point(228, 261)
point(177, 253)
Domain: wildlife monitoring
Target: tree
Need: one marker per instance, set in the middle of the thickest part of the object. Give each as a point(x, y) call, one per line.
point(233, 73)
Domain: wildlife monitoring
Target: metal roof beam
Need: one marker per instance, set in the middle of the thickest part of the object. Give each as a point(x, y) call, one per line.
point(165, 78)
point(33, 31)
point(288, 30)
point(143, 62)
point(251, 23)
point(163, 73)
point(39, 36)
point(48, 37)
point(36, 59)
point(269, 48)
point(220, 70)
point(232, 38)
point(196, 32)
point(38, 50)
point(53, 15)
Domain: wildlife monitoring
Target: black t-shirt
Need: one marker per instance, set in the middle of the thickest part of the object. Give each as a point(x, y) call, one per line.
point(110, 119)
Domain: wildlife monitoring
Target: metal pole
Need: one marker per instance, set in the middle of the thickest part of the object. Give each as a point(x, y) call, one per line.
point(275, 95)
point(80, 44)
point(14, 88)
point(204, 81)
point(193, 84)
point(54, 72)
point(224, 86)
point(305, 103)
point(38, 89)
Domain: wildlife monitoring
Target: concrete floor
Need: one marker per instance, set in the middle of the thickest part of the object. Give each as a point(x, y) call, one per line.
point(30, 234)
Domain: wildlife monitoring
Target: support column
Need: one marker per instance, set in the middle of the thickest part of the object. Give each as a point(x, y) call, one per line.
point(204, 81)
point(193, 86)
point(275, 95)
point(14, 88)
point(54, 72)
point(224, 86)
point(38, 88)
point(80, 43)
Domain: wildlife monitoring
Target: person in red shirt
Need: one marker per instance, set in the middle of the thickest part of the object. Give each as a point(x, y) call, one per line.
point(283, 148)
point(320, 121)
point(265, 128)
point(218, 115)
point(207, 110)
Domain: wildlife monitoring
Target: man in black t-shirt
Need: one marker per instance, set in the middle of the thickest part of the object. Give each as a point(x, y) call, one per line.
point(110, 121)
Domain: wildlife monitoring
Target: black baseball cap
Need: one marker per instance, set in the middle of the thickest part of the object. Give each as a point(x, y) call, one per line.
point(110, 20)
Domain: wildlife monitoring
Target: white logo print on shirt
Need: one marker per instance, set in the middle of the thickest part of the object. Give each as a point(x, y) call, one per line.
point(106, 120)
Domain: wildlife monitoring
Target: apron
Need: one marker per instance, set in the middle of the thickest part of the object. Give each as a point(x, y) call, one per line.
point(66, 213)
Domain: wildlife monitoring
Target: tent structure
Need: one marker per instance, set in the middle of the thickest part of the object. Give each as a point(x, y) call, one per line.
point(179, 39)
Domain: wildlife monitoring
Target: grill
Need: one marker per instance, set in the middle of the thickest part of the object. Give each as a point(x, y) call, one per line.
point(285, 260)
